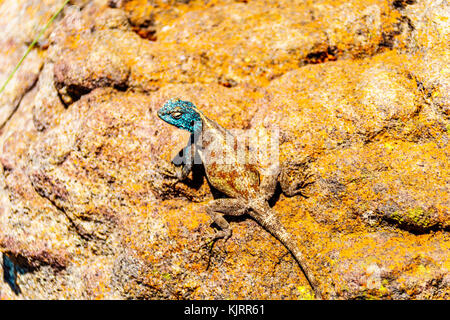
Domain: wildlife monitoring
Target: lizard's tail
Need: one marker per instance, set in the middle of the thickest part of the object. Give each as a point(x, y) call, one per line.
point(264, 215)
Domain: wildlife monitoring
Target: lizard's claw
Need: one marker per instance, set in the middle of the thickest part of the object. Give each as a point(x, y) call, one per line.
point(294, 178)
point(306, 181)
point(222, 234)
point(166, 171)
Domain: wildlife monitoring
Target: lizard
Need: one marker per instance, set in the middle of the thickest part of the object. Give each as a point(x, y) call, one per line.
point(247, 191)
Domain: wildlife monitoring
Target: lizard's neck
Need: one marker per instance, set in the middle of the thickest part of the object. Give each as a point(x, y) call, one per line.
point(197, 127)
point(191, 122)
point(200, 123)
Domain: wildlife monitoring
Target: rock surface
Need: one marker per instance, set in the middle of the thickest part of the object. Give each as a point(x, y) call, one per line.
point(358, 89)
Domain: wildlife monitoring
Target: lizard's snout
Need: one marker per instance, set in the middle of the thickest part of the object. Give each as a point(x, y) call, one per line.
point(164, 110)
point(161, 113)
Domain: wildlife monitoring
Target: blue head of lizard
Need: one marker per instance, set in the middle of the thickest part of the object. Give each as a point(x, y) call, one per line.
point(181, 114)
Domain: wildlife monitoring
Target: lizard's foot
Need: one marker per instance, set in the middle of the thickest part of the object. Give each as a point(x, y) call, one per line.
point(300, 185)
point(294, 178)
point(222, 234)
point(174, 172)
point(165, 170)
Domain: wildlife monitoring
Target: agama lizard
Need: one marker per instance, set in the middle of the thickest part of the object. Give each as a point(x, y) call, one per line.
point(248, 191)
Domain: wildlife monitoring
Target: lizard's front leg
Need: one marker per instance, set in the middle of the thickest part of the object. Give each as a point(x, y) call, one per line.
point(216, 209)
point(182, 164)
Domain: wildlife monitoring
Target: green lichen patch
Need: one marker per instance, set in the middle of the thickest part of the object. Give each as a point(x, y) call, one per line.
point(414, 219)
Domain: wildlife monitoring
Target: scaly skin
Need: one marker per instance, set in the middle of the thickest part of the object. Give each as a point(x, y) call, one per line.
point(247, 190)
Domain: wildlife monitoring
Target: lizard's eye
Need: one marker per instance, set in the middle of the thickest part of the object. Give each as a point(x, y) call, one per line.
point(176, 115)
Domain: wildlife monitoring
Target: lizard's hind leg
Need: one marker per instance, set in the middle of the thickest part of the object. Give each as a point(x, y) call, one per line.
point(216, 209)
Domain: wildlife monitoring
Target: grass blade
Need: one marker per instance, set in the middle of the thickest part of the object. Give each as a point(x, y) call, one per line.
point(31, 46)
